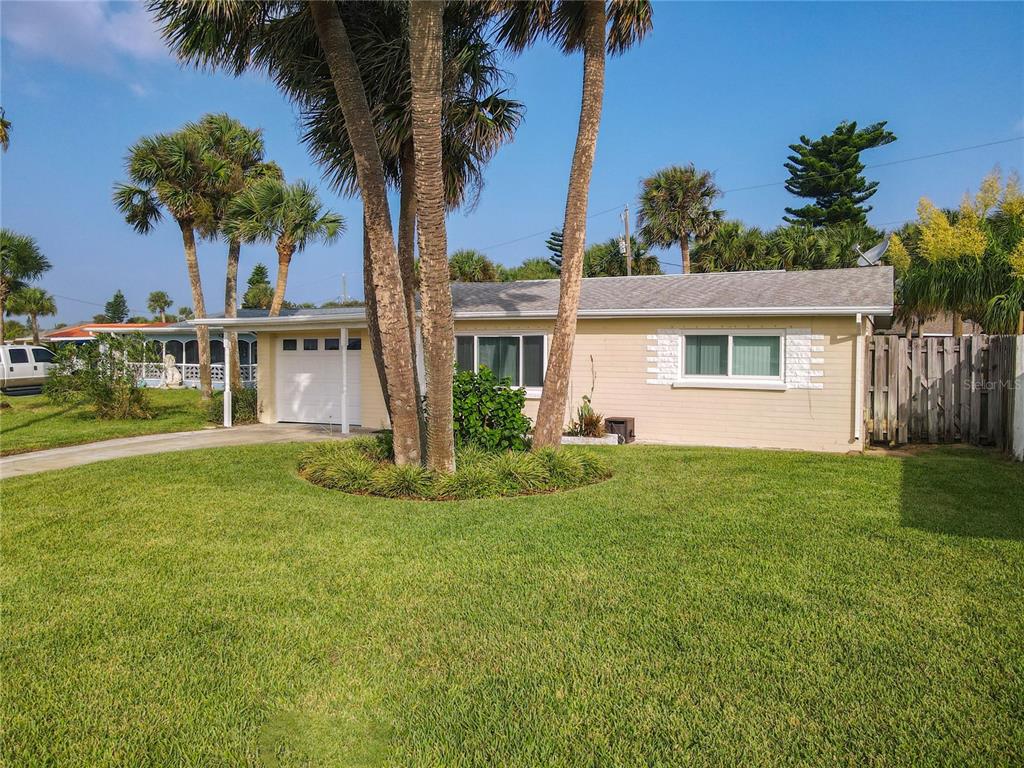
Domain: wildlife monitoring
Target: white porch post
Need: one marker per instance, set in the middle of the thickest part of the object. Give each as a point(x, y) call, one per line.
point(344, 379)
point(226, 341)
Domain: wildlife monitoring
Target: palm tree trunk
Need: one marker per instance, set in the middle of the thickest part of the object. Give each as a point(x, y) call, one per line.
point(188, 237)
point(372, 326)
point(284, 259)
point(34, 319)
point(387, 277)
point(958, 324)
point(425, 53)
point(551, 412)
point(234, 363)
point(684, 249)
point(407, 264)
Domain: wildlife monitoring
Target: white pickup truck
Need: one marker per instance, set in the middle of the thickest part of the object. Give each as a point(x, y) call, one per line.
point(23, 366)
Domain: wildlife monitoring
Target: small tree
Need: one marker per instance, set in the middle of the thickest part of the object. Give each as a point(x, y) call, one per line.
point(117, 308)
point(97, 373)
point(158, 303)
point(260, 293)
point(34, 303)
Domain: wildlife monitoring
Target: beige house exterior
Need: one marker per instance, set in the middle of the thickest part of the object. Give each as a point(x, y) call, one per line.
point(766, 360)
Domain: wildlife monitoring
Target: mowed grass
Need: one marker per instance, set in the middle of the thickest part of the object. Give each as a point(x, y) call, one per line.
point(701, 608)
point(32, 423)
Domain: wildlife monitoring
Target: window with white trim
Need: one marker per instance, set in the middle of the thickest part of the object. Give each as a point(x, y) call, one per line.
point(520, 357)
point(733, 356)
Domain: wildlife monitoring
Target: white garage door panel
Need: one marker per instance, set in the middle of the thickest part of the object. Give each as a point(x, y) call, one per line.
point(309, 386)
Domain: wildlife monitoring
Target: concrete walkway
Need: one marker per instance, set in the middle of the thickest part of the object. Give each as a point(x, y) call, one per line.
point(76, 455)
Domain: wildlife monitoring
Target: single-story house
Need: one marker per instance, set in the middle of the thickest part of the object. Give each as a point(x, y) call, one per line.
point(749, 359)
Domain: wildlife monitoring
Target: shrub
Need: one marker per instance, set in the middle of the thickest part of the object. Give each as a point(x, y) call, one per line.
point(517, 472)
point(95, 373)
point(471, 481)
point(489, 412)
point(406, 481)
point(378, 447)
point(595, 468)
point(244, 407)
point(588, 422)
point(350, 466)
point(564, 468)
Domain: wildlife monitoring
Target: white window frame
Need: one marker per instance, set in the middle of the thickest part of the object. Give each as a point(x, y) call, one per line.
point(532, 393)
point(731, 380)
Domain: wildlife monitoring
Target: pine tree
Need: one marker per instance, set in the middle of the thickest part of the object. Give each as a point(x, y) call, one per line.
point(828, 170)
point(117, 308)
point(260, 293)
point(554, 244)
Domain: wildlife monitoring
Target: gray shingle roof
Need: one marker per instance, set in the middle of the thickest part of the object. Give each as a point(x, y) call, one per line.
point(826, 291)
point(855, 289)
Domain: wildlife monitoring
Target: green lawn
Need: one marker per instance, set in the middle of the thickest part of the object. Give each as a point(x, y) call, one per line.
point(33, 423)
point(702, 608)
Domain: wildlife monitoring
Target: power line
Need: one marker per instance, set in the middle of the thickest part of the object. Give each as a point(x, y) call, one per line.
point(546, 231)
point(883, 165)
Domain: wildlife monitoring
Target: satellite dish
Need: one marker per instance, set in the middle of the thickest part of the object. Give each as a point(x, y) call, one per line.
point(873, 256)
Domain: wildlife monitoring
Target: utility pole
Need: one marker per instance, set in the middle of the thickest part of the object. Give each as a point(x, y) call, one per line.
point(344, 288)
point(629, 244)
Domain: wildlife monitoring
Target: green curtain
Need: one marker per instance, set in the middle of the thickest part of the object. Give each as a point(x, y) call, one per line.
point(707, 355)
point(501, 355)
point(755, 355)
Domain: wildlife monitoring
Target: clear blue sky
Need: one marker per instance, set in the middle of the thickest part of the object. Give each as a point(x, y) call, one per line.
point(726, 86)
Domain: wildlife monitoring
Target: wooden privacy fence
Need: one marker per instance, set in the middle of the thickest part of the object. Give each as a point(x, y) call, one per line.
point(939, 389)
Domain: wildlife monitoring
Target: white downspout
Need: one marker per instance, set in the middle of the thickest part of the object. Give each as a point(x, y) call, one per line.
point(858, 384)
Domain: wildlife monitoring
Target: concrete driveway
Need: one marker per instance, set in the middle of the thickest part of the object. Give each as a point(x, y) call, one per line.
point(76, 455)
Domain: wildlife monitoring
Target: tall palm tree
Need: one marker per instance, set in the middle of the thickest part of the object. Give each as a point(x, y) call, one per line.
point(426, 49)
point(33, 302)
point(676, 205)
point(574, 26)
point(176, 172)
point(21, 261)
point(158, 303)
point(242, 149)
point(290, 215)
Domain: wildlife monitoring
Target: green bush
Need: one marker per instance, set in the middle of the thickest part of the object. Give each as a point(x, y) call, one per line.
point(409, 481)
point(518, 472)
point(489, 412)
point(355, 466)
point(564, 468)
point(244, 407)
point(95, 373)
point(471, 481)
point(378, 447)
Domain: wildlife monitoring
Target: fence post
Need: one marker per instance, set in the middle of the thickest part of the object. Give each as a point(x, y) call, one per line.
point(1017, 392)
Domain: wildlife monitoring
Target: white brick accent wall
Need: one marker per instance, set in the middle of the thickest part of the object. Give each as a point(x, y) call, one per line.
point(663, 361)
point(801, 362)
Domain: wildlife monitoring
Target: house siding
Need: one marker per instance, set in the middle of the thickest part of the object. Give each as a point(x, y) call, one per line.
point(612, 362)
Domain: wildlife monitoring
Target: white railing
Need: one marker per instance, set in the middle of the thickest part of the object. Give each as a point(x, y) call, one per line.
point(189, 372)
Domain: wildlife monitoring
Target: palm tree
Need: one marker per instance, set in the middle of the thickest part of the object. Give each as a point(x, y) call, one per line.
point(733, 248)
point(574, 26)
point(158, 303)
point(426, 54)
point(675, 206)
point(185, 313)
point(242, 149)
point(290, 215)
point(33, 302)
point(5, 131)
point(21, 261)
point(469, 266)
point(176, 172)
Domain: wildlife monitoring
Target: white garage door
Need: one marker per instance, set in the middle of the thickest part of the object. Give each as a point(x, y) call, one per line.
point(309, 380)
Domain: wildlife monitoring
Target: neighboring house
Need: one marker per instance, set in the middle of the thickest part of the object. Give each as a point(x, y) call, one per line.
point(758, 359)
point(175, 339)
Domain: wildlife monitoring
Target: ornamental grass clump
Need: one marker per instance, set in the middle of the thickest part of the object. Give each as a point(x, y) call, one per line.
point(362, 466)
